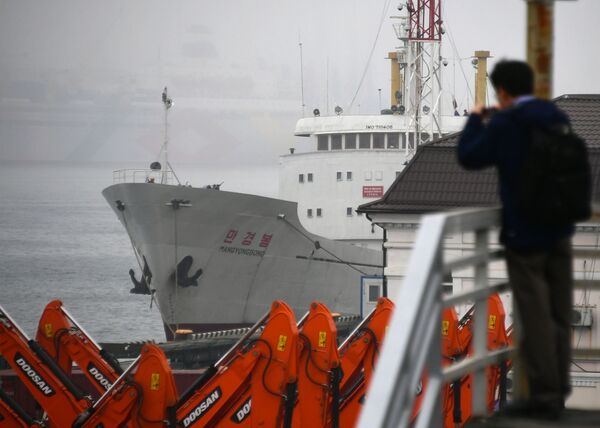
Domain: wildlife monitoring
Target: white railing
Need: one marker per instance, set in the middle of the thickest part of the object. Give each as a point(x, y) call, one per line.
point(413, 339)
point(144, 176)
point(412, 342)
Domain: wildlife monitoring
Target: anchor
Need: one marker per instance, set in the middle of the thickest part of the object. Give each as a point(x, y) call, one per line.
point(143, 286)
point(183, 269)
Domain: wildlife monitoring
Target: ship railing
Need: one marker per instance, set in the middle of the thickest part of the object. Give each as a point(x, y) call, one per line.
point(144, 176)
point(412, 343)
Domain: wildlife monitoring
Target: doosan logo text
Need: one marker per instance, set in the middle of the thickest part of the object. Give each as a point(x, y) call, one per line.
point(33, 376)
point(203, 407)
point(99, 376)
point(242, 412)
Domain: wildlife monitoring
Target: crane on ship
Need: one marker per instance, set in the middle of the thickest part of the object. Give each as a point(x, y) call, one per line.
point(416, 88)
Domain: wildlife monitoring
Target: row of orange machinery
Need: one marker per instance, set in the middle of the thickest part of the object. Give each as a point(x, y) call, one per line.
point(282, 373)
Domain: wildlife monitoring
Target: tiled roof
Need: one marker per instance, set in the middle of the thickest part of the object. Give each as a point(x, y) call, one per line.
point(434, 181)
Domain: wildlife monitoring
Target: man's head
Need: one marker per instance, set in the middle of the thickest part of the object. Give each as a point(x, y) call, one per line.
point(511, 79)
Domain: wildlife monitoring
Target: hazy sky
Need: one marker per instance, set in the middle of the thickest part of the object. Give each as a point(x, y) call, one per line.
point(82, 80)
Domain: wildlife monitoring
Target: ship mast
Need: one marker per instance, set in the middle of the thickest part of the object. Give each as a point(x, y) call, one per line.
point(419, 59)
point(168, 103)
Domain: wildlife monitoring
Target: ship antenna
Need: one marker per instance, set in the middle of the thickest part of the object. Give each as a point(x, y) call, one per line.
point(168, 103)
point(301, 76)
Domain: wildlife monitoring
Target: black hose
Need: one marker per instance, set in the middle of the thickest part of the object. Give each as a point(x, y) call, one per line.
point(15, 407)
point(336, 377)
point(55, 369)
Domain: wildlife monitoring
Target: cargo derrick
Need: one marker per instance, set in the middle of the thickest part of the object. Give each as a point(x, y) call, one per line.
point(40, 374)
point(67, 342)
point(139, 399)
point(319, 371)
point(253, 384)
point(13, 416)
point(358, 356)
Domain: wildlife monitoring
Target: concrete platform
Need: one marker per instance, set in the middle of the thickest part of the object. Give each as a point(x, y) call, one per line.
point(572, 418)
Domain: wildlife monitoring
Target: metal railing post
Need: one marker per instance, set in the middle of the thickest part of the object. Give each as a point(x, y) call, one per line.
point(480, 323)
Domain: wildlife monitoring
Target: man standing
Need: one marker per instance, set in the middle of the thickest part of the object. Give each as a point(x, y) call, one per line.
point(538, 256)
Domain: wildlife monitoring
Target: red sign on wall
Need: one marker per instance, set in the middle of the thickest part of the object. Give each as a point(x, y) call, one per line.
point(372, 191)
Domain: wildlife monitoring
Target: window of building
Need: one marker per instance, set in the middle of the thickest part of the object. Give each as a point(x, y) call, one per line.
point(322, 142)
point(393, 141)
point(309, 212)
point(364, 141)
point(350, 141)
point(368, 175)
point(309, 176)
point(336, 142)
point(349, 175)
point(378, 140)
point(319, 212)
point(339, 176)
point(349, 211)
point(447, 284)
point(300, 178)
point(378, 175)
point(374, 293)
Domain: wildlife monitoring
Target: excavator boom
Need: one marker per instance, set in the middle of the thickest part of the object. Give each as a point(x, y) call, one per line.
point(67, 342)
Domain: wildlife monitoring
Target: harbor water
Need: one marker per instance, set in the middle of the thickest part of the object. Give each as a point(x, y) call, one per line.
point(59, 239)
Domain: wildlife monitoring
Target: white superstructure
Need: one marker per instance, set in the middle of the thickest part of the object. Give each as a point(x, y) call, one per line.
point(352, 160)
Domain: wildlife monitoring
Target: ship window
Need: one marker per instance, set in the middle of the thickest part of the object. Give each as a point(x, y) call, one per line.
point(336, 142)
point(300, 178)
point(373, 293)
point(350, 141)
point(378, 175)
point(349, 175)
point(309, 177)
point(378, 140)
point(322, 142)
point(349, 211)
point(319, 212)
point(364, 141)
point(392, 141)
point(403, 141)
point(309, 212)
point(368, 175)
point(339, 176)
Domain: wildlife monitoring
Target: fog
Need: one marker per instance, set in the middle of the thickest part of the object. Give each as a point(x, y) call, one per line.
point(82, 80)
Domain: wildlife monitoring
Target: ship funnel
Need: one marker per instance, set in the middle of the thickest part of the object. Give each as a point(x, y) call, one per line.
point(480, 62)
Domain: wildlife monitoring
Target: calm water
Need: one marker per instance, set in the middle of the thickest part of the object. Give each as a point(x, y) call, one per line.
point(60, 240)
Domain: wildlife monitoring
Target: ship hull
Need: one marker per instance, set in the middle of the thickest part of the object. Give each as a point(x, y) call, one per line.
point(245, 251)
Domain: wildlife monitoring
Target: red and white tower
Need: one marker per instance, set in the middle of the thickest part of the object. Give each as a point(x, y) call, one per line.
point(420, 30)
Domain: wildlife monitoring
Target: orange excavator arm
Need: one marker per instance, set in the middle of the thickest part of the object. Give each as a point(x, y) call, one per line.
point(12, 415)
point(66, 342)
point(358, 355)
point(496, 338)
point(253, 384)
point(319, 370)
point(40, 374)
point(140, 397)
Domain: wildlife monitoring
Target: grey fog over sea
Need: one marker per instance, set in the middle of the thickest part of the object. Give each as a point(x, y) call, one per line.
point(59, 239)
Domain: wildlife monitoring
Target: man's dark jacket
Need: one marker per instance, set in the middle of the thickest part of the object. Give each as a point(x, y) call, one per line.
point(503, 143)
